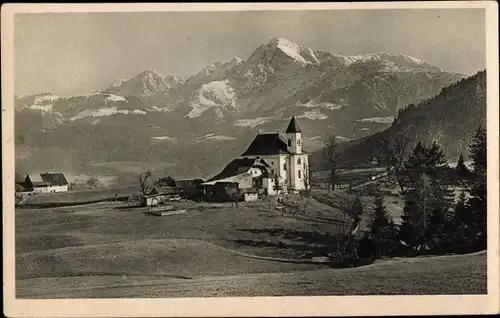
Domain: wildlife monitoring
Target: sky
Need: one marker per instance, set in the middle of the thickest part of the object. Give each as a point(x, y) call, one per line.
point(76, 53)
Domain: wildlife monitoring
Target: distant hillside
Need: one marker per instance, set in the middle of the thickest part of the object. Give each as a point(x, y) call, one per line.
point(450, 119)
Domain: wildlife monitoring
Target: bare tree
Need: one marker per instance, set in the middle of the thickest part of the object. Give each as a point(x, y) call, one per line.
point(331, 155)
point(234, 195)
point(143, 182)
point(346, 248)
point(277, 186)
point(306, 193)
point(93, 182)
point(393, 151)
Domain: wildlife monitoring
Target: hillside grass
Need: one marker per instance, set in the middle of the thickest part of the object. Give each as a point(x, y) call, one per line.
point(82, 197)
point(450, 275)
point(246, 227)
point(110, 249)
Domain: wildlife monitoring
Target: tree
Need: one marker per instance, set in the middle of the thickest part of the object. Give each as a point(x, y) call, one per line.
point(355, 212)
point(166, 181)
point(425, 214)
point(234, 195)
point(383, 230)
point(331, 155)
point(462, 232)
point(416, 213)
point(393, 151)
point(93, 182)
point(461, 168)
point(428, 200)
point(346, 248)
point(306, 193)
point(277, 185)
point(478, 200)
point(143, 182)
point(77, 185)
point(424, 159)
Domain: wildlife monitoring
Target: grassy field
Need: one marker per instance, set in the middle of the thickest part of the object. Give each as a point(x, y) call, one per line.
point(109, 249)
point(81, 197)
point(461, 274)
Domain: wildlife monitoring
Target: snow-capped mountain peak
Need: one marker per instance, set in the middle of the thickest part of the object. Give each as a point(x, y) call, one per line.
point(301, 54)
point(394, 60)
point(236, 60)
point(145, 83)
point(214, 72)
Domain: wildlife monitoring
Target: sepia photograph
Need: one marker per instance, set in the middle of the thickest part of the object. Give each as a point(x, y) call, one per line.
point(221, 152)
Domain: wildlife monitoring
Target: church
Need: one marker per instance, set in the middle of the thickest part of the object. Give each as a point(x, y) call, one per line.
point(272, 164)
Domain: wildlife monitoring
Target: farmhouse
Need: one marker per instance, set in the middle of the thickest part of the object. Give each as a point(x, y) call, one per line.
point(271, 165)
point(46, 183)
point(159, 195)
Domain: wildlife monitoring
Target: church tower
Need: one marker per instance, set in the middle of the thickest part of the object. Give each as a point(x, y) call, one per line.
point(294, 137)
point(297, 160)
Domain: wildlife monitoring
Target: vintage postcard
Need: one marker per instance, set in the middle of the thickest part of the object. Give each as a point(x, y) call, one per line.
point(252, 159)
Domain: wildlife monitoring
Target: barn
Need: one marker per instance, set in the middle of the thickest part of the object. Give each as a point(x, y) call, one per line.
point(47, 182)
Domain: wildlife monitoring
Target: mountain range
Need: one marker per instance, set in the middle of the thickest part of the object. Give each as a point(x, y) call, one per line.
point(171, 123)
point(450, 119)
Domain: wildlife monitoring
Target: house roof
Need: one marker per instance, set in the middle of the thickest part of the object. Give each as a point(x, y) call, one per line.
point(54, 179)
point(293, 126)
point(239, 166)
point(41, 184)
point(35, 178)
point(266, 144)
point(163, 191)
point(188, 183)
point(232, 179)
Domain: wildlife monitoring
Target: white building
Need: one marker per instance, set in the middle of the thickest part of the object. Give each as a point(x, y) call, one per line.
point(269, 157)
point(47, 182)
point(285, 156)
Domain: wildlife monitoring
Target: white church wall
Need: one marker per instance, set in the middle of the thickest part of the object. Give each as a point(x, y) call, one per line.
point(276, 164)
point(299, 164)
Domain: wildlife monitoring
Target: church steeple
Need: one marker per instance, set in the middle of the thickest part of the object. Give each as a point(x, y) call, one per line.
point(294, 134)
point(293, 126)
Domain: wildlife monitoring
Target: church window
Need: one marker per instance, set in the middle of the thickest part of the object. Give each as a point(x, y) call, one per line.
point(300, 174)
point(272, 171)
point(289, 142)
point(298, 142)
point(298, 161)
point(284, 166)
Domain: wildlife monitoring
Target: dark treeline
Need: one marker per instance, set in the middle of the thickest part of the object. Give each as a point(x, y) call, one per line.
point(433, 221)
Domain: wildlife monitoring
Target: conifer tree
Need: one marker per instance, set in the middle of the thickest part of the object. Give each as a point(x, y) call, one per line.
point(478, 201)
point(462, 226)
point(461, 168)
point(382, 229)
point(428, 200)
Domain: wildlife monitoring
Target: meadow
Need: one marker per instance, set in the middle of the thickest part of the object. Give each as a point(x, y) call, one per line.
point(111, 249)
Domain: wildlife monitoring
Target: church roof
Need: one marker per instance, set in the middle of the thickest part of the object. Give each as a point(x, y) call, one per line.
point(266, 144)
point(293, 126)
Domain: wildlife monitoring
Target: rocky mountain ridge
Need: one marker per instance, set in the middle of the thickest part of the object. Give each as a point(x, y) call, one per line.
point(227, 103)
